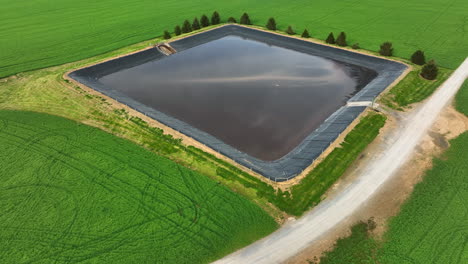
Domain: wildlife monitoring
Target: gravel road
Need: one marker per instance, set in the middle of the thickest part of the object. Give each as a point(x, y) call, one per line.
point(297, 235)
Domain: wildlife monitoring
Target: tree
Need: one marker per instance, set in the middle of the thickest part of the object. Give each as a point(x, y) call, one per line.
point(245, 19)
point(290, 31)
point(305, 34)
point(271, 24)
point(418, 58)
point(186, 28)
point(215, 18)
point(330, 39)
point(231, 20)
point(177, 30)
point(196, 24)
point(386, 49)
point(355, 46)
point(341, 39)
point(430, 70)
point(166, 35)
point(204, 21)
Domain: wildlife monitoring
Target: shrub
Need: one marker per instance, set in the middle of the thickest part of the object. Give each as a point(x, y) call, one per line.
point(245, 19)
point(305, 34)
point(196, 24)
point(166, 35)
point(429, 71)
point(290, 31)
point(215, 18)
point(355, 46)
point(386, 49)
point(186, 28)
point(341, 40)
point(418, 58)
point(330, 39)
point(177, 30)
point(231, 20)
point(204, 21)
point(271, 24)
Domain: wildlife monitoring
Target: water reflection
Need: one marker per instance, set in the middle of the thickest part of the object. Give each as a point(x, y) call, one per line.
point(263, 100)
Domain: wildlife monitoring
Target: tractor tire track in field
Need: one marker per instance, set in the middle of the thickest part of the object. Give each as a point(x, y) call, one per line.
point(295, 236)
point(182, 212)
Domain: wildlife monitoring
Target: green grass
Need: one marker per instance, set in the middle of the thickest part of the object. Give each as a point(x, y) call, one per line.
point(432, 226)
point(41, 33)
point(413, 89)
point(72, 193)
point(461, 100)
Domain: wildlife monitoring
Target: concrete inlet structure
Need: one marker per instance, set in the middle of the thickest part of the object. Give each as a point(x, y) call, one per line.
point(233, 87)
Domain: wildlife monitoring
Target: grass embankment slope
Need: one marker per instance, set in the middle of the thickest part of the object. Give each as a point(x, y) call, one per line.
point(37, 34)
point(413, 89)
point(432, 225)
point(71, 193)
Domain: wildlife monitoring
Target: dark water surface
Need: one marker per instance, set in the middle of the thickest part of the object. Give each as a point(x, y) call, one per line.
point(263, 100)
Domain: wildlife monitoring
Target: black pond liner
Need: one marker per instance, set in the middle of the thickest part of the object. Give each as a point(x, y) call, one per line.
point(303, 155)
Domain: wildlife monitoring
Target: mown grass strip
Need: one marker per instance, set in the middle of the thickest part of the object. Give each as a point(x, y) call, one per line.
point(413, 89)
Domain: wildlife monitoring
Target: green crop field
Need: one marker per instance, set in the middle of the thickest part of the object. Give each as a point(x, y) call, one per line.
point(40, 33)
point(432, 226)
point(72, 193)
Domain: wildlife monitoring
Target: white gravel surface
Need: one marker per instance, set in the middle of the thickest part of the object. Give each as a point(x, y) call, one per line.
point(294, 236)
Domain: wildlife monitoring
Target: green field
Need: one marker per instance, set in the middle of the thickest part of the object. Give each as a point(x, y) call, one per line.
point(432, 225)
point(72, 193)
point(40, 33)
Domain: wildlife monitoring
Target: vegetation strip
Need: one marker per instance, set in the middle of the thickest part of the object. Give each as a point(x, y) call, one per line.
point(413, 89)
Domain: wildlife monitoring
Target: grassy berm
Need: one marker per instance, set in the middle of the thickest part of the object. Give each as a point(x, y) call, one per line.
point(71, 193)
